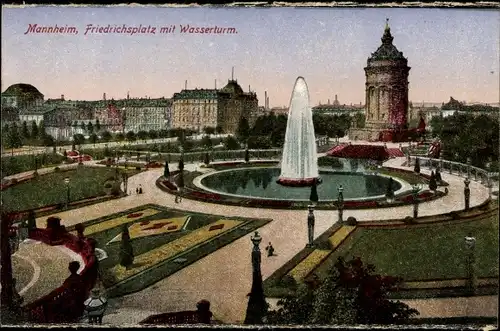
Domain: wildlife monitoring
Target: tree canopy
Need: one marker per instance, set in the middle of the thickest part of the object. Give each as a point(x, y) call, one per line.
point(351, 293)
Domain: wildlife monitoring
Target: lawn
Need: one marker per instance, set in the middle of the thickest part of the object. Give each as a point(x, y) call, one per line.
point(435, 251)
point(415, 253)
point(51, 189)
point(21, 163)
point(163, 240)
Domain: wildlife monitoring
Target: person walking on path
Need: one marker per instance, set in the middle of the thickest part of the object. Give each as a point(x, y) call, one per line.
point(270, 250)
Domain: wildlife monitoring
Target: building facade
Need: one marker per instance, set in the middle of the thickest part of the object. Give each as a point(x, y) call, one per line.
point(147, 114)
point(336, 108)
point(223, 109)
point(386, 91)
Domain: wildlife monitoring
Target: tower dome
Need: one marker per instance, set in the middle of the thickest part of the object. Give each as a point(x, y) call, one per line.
point(232, 87)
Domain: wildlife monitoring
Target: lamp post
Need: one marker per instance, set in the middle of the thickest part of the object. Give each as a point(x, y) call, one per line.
point(125, 182)
point(415, 190)
point(340, 201)
point(467, 193)
point(468, 167)
point(310, 226)
point(95, 306)
point(470, 245)
point(256, 308)
point(66, 180)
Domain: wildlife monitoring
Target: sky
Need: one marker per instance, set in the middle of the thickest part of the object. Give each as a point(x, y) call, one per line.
point(451, 52)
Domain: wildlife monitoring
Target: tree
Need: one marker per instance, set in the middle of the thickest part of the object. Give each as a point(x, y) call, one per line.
point(90, 128)
point(180, 180)
point(83, 126)
point(243, 130)
point(231, 143)
point(48, 140)
point(97, 125)
point(78, 139)
point(208, 130)
point(207, 159)
point(153, 134)
point(433, 182)
point(130, 136)
point(34, 130)
point(390, 192)
point(126, 249)
point(106, 136)
point(181, 165)
point(120, 136)
point(13, 138)
point(142, 135)
point(166, 172)
point(206, 142)
point(24, 130)
point(163, 133)
point(349, 294)
point(417, 166)
point(218, 129)
point(93, 138)
point(41, 130)
point(438, 175)
point(313, 197)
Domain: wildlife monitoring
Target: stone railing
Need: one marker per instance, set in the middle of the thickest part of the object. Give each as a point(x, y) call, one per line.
point(460, 169)
point(225, 155)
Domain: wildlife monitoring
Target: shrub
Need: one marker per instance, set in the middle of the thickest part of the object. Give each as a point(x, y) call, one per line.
point(288, 282)
point(409, 220)
point(57, 169)
point(352, 221)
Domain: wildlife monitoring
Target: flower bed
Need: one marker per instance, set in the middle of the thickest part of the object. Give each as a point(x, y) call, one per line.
point(152, 165)
point(169, 185)
point(172, 248)
point(109, 224)
point(301, 270)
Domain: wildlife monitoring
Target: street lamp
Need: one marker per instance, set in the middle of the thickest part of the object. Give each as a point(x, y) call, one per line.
point(340, 201)
point(310, 226)
point(415, 189)
point(467, 193)
point(95, 306)
point(470, 245)
point(66, 180)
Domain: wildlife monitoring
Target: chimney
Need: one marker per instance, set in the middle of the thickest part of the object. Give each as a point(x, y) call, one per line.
point(62, 97)
point(104, 96)
point(328, 101)
point(216, 84)
point(128, 95)
point(336, 98)
point(265, 99)
point(186, 85)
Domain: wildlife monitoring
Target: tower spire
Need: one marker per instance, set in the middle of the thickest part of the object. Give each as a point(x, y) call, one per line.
point(387, 37)
point(387, 24)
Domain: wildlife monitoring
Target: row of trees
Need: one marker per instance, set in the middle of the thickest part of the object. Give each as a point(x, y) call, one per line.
point(269, 130)
point(14, 136)
point(465, 136)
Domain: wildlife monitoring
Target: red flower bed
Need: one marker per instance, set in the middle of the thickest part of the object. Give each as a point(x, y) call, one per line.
point(216, 227)
point(269, 203)
point(169, 185)
point(72, 153)
point(154, 165)
point(204, 195)
point(172, 227)
point(360, 204)
point(134, 215)
point(144, 223)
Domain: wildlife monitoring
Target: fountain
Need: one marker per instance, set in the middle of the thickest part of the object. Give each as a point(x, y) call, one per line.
point(299, 164)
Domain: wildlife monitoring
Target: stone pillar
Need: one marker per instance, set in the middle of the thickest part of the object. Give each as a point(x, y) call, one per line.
point(467, 193)
point(310, 226)
point(341, 203)
point(470, 246)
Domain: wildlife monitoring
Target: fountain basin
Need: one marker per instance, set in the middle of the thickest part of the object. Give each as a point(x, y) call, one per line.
point(262, 183)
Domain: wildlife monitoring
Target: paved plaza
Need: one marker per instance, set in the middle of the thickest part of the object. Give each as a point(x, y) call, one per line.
point(224, 277)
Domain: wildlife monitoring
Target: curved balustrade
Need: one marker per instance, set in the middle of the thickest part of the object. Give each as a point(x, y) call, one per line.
point(61, 305)
point(464, 170)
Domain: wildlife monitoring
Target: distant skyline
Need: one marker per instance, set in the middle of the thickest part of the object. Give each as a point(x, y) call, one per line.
point(451, 52)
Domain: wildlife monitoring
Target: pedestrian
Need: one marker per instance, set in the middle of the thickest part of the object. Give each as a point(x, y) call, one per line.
point(136, 190)
point(140, 189)
point(180, 195)
point(176, 197)
point(270, 250)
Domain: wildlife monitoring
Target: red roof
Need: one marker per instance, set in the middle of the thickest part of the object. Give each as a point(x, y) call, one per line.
point(395, 152)
point(372, 152)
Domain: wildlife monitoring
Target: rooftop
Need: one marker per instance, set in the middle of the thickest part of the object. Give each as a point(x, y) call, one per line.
point(387, 51)
point(22, 88)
